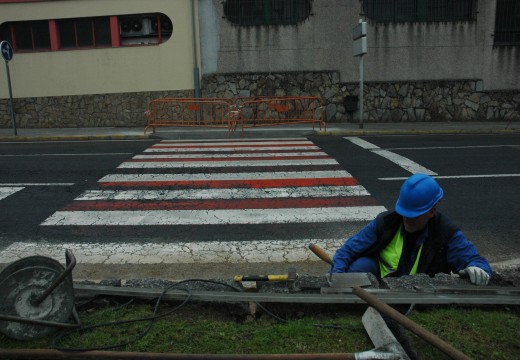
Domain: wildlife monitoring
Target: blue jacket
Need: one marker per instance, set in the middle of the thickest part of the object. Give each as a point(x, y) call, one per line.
point(445, 248)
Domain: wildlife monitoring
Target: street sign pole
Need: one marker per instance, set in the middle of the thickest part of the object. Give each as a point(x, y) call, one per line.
point(359, 48)
point(7, 54)
point(13, 116)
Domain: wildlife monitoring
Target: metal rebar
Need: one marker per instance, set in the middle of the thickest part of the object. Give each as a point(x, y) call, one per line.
point(44, 354)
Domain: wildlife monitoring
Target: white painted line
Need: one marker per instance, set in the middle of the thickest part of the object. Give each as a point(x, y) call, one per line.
point(241, 148)
point(234, 193)
point(225, 176)
point(454, 147)
point(6, 191)
point(222, 164)
point(268, 251)
point(402, 161)
point(458, 177)
point(237, 155)
point(86, 154)
point(36, 184)
point(236, 143)
point(244, 141)
point(214, 217)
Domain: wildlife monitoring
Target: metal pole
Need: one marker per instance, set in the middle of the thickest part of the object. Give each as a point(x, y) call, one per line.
point(13, 117)
point(361, 78)
point(409, 324)
point(195, 58)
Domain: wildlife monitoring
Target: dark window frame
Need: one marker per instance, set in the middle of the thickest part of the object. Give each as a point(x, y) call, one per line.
point(507, 23)
point(267, 12)
point(395, 11)
point(80, 31)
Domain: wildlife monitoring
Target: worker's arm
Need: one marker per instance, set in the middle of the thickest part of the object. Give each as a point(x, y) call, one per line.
point(463, 255)
point(354, 246)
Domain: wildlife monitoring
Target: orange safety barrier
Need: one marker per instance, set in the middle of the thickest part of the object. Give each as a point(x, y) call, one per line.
point(283, 110)
point(200, 112)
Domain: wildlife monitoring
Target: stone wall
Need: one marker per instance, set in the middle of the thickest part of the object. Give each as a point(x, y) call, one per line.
point(383, 102)
point(124, 109)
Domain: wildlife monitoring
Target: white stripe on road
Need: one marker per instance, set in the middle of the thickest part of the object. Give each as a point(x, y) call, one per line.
point(213, 217)
point(268, 251)
point(244, 141)
point(237, 143)
point(458, 177)
point(36, 184)
point(225, 176)
point(235, 193)
point(237, 155)
point(238, 148)
point(222, 164)
point(402, 161)
point(6, 191)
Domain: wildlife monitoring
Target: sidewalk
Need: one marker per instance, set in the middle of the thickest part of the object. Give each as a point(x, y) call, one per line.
point(350, 129)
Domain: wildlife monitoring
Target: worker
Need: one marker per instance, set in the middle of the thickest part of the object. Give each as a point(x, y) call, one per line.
point(414, 238)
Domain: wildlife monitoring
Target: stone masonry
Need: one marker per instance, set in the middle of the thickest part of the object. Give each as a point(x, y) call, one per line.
point(412, 101)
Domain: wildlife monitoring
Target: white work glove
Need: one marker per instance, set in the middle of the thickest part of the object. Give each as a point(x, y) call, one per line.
point(476, 275)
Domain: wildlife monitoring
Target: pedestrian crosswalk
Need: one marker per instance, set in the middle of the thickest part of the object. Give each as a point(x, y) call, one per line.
point(211, 201)
point(255, 181)
point(5, 191)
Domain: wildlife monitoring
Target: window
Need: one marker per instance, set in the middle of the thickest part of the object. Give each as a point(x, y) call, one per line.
point(27, 35)
point(84, 32)
point(419, 10)
point(87, 32)
point(507, 22)
point(267, 12)
point(145, 29)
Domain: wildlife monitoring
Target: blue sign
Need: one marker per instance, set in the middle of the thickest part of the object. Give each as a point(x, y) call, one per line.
point(7, 50)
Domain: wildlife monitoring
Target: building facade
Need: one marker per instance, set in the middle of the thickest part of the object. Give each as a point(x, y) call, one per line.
point(98, 62)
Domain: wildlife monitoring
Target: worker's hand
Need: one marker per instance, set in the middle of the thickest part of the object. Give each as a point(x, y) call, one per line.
point(476, 275)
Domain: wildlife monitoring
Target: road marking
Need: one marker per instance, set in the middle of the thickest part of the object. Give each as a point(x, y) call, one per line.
point(243, 141)
point(221, 164)
point(86, 154)
point(228, 144)
point(217, 197)
point(233, 193)
point(36, 184)
point(225, 176)
point(236, 155)
point(268, 251)
point(6, 191)
point(236, 148)
point(457, 177)
point(402, 161)
point(214, 217)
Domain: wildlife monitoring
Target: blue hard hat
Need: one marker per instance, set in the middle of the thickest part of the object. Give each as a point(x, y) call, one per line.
point(419, 194)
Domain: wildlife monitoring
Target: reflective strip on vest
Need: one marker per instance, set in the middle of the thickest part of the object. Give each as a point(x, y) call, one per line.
point(389, 256)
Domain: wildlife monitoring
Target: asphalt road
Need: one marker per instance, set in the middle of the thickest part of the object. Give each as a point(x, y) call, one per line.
point(480, 175)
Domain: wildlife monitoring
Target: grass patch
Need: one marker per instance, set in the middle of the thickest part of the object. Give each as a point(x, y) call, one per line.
point(210, 329)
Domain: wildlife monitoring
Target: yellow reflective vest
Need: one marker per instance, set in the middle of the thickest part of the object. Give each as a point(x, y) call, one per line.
point(389, 257)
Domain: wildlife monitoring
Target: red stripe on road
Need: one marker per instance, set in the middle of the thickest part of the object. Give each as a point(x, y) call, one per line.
point(221, 204)
point(254, 184)
point(232, 158)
